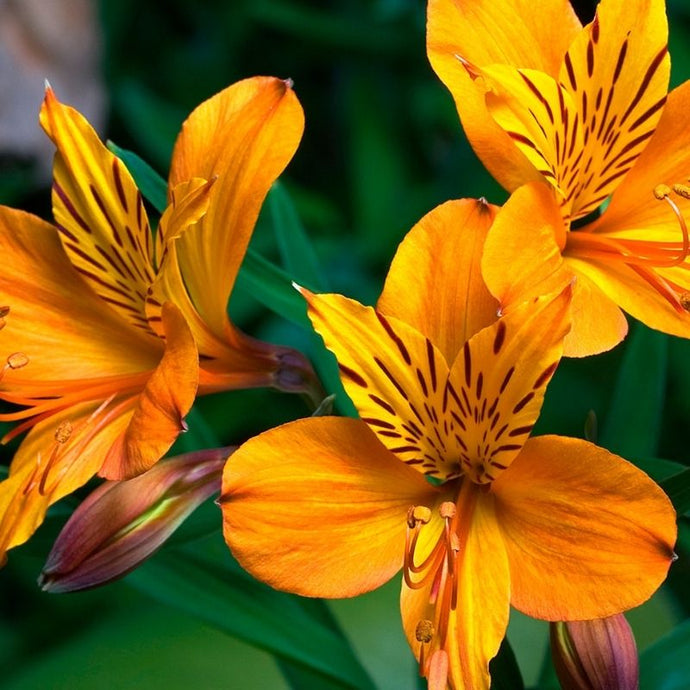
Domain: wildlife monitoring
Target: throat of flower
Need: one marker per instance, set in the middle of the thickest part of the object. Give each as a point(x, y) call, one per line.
point(438, 573)
point(643, 256)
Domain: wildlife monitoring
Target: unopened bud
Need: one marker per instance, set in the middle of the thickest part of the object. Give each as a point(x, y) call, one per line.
point(122, 523)
point(595, 655)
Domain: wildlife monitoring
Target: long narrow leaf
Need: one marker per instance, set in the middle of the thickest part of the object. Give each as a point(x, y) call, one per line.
point(631, 427)
point(210, 586)
point(152, 186)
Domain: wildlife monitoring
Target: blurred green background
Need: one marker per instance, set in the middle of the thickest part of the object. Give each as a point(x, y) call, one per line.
point(382, 147)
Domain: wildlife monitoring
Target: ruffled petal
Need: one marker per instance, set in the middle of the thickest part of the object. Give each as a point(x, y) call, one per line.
point(168, 396)
point(588, 535)
point(497, 383)
point(524, 34)
point(244, 136)
point(440, 256)
point(319, 507)
point(478, 624)
point(99, 212)
point(393, 374)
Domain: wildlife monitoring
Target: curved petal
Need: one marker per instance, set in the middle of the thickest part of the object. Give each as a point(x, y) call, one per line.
point(621, 285)
point(158, 416)
point(526, 237)
point(58, 456)
point(54, 318)
point(617, 71)
point(587, 533)
point(244, 135)
point(498, 383)
point(319, 507)
point(598, 323)
point(99, 212)
point(478, 624)
point(665, 159)
point(440, 257)
point(522, 34)
point(393, 374)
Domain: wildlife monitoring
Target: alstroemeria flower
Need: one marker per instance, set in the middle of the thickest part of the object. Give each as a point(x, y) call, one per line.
point(584, 111)
point(333, 507)
point(103, 322)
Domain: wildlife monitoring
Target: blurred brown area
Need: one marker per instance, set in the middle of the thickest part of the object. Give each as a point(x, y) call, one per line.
point(59, 41)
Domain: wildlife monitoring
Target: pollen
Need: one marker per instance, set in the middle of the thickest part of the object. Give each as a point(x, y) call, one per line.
point(63, 432)
point(424, 631)
point(447, 510)
point(685, 301)
point(682, 190)
point(17, 360)
point(417, 515)
point(661, 191)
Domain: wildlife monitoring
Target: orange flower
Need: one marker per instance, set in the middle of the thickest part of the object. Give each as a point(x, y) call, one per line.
point(332, 507)
point(104, 321)
point(585, 112)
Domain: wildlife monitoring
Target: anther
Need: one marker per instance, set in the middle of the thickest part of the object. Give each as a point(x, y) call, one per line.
point(4, 311)
point(684, 300)
point(682, 190)
point(424, 631)
point(418, 515)
point(63, 432)
point(17, 360)
point(447, 510)
point(661, 191)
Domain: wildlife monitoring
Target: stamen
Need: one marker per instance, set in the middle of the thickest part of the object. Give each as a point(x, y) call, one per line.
point(643, 256)
point(423, 633)
point(63, 432)
point(17, 360)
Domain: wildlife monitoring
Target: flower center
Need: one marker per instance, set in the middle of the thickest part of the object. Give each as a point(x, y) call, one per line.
point(643, 256)
point(438, 574)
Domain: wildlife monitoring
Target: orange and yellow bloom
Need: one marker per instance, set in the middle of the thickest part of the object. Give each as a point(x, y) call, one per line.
point(439, 476)
point(581, 116)
point(109, 330)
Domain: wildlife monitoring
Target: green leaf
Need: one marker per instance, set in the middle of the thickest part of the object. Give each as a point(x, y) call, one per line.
point(505, 673)
point(296, 250)
point(666, 664)
point(272, 287)
point(203, 580)
point(151, 185)
point(632, 426)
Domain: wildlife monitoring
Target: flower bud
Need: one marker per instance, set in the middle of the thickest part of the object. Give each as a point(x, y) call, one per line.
point(122, 523)
point(595, 655)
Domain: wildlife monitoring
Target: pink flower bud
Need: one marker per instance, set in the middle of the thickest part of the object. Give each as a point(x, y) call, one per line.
point(595, 655)
point(122, 523)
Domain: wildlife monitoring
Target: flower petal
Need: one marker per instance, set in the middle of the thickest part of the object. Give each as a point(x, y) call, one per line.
point(440, 257)
point(393, 374)
point(617, 71)
point(58, 456)
point(665, 159)
point(588, 535)
point(244, 135)
point(478, 624)
point(526, 237)
point(99, 212)
point(497, 383)
point(619, 284)
point(520, 33)
point(55, 319)
point(159, 414)
point(319, 507)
